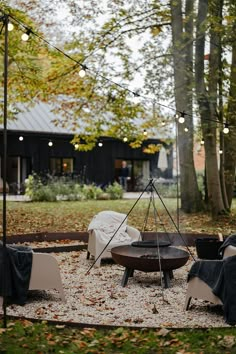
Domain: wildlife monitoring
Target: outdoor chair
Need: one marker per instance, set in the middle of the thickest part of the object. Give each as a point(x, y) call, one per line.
point(102, 228)
point(199, 289)
point(45, 274)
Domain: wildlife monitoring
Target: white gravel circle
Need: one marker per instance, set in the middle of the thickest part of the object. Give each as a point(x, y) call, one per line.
point(99, 298)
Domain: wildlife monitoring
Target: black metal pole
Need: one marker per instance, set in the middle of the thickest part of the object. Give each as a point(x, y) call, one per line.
point(4, 215)
point(177, 170)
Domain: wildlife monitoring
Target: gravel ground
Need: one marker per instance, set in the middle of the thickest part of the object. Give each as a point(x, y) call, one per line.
point(98, 298)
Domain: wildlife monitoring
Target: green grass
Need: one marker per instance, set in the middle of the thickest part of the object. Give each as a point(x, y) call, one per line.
point(27, 337)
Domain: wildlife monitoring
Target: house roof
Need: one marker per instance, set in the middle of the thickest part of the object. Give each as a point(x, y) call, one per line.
point(37, 119)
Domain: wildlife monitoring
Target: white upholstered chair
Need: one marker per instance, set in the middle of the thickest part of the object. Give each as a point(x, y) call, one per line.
point(98, 240)
point(45, 274)
point(198, 289)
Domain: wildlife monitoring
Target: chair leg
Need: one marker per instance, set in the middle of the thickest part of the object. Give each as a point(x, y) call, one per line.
point(88, 254)
point(187, 302)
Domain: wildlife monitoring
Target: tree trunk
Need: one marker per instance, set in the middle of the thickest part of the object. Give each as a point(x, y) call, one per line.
point(183, 77)
point(207, 102)
point(230, 139)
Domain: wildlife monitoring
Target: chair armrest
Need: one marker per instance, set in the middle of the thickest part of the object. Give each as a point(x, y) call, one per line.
point(133, 233)
point(229, 251)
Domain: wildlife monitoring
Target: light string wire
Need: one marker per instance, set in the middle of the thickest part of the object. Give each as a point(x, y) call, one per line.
point(87, 69)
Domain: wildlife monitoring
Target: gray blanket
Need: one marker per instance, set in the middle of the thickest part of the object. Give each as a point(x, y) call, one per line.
point(15, 271)
point(220, 275)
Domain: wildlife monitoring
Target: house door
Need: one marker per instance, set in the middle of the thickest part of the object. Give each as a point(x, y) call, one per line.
point(17, 171)
point(139, 173)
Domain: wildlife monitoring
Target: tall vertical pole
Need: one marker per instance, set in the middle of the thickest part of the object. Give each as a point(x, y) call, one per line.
point(177, 170)
point(4, 220)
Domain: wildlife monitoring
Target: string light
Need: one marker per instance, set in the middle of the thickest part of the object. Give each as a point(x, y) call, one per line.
point(202, 142)
point(10, 27)
point(82, 71)
point(84, 68)
point(100, 144)
point(21, 138)
point(181, 118)
point(220, 151)
point(76, 146)
point(145, 132)
point(50, 143)
point(125, 139)
point(226, 128)
point(25, 36)
point(186, 129)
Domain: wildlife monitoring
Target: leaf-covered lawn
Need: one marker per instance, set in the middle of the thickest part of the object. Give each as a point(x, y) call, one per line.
point(27, 217)
point(27, 337)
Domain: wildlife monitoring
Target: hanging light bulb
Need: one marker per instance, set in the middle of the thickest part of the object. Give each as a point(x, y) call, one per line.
point(186, 129)
point(82, 73)
point(202, 142)
point(220, 151)
point(145, 132)
point(25, 36)
point(125, 139)
point(50, 143)
point(21, 138)
point(76, 146)
point(100, 144)
point(10, 27)
point(226, 128)
point(177, 116)
point(181, 118)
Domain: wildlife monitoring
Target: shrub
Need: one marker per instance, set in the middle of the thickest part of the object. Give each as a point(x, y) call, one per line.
point(52, 190)
point(37, 191)
point(167, 190)
point(115, 191)
point(91, 191)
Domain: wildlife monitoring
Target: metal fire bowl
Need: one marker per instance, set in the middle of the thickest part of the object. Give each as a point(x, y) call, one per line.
point(147, 260)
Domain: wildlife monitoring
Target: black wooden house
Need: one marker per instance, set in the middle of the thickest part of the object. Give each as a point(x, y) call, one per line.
point(35, 144)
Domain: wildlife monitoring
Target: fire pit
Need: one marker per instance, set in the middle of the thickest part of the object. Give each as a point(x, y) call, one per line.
point(146, 259)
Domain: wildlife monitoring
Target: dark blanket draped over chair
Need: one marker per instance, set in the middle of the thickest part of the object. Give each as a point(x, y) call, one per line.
point(15, 272)
point(220, 275)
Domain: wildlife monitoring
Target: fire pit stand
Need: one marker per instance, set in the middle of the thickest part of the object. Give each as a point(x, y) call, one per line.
point(167, 276)
point(149, 260)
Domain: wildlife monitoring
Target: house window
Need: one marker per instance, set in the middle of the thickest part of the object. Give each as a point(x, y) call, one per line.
point(61, 165)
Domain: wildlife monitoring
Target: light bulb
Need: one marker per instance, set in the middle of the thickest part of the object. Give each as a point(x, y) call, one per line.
point(181, 119)
point(220, 151)
point(186, 129)
point(100, 144)
point(10, 26)
point(82, 73)
point(21, 138)
point(25, 37)
point(145, 132)
point(50, 143)
point(76, 146)
point(125, 139)
point(202, 142)
point(226, 129)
